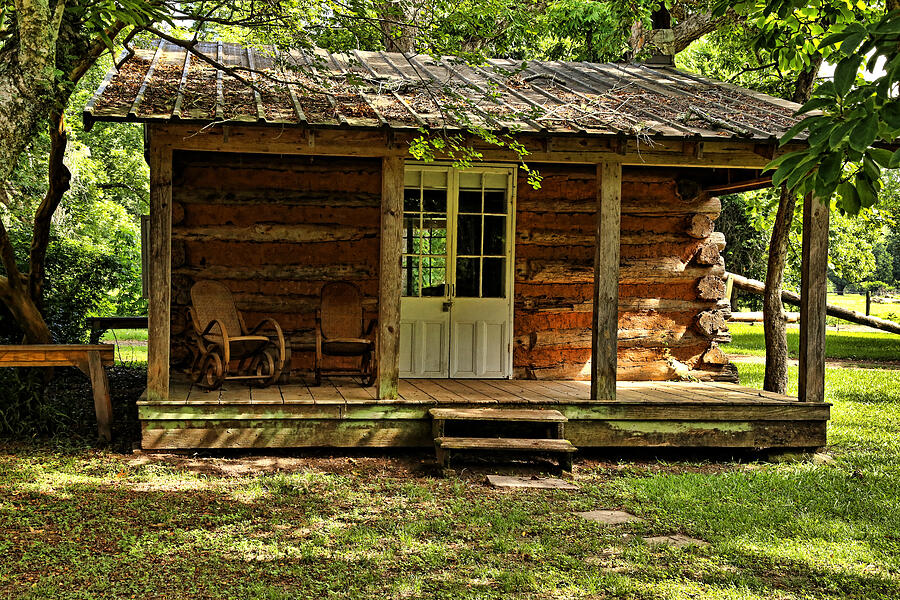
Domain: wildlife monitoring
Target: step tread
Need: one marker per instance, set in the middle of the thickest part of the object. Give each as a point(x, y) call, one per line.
point(498, 414)
point(465, 443)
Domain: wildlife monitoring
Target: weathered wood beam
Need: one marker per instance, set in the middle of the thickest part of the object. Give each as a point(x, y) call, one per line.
point(375, 143)
point(388, 376)
point(160, 262)
point(813, 288)
point(605, 321)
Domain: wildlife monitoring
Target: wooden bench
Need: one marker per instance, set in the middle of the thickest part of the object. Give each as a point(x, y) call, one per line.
point(89, 358)
point(98, 325)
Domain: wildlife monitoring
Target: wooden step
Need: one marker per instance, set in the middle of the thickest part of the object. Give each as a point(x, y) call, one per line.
point(516, 444)
point(497, 414)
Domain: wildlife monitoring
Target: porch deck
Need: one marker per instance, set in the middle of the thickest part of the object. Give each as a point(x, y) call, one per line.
point(341, 413)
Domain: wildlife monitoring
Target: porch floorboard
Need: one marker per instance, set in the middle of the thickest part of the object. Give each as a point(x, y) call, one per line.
point(342, 413)
point(474, 391)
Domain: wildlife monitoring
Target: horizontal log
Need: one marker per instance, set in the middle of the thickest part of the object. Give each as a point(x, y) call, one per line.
point(630, 206)
point(275, 233)
point(757, 317)
point(334, 272)
point(700, 226)
point(631, 271)
point(711, 287)
point(758, 287)
point(627, 338)
point(709, 254)
point(565, 304)
point(267, 254)
point(276, 199)
point(711, 323)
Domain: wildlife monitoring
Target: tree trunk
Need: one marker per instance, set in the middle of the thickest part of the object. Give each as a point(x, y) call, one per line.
point(774, 317)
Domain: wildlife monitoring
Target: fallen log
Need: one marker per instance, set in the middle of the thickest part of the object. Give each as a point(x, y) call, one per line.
point(757, 317)
point(758, 287)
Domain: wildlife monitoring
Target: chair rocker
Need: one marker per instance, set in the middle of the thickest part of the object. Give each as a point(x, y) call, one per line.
point(341, 331)
point(220, 336)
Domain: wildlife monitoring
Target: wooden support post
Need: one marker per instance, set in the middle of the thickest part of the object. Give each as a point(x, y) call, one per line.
point(389, 277)
point(605, 322)
point(102, 401)
point(160, 263)
point(813, 289)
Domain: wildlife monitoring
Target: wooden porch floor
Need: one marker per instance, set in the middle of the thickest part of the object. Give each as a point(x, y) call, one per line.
point(475, 391)
point(341, 413)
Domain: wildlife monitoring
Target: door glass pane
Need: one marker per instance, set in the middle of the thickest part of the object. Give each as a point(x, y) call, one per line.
point(434, 201)
point(468, 235)
point(494, 235)
point(433, 236)
point(470, 201)
point(411, 200)
point(425, 235)
point(493, 278)
point(434, 275)
point(495, 202)
point(410, 275)
point(467, 277)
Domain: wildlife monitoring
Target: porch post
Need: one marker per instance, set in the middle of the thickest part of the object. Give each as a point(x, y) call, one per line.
point(389, 277)
point(813, 288)
point(160, 266)
point(605, 322)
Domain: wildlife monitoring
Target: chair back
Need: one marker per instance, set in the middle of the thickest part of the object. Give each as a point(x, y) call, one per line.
point(341, 310)
point(212, 300)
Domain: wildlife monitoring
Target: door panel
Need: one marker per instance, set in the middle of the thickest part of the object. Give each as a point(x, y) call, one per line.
point(456, 310)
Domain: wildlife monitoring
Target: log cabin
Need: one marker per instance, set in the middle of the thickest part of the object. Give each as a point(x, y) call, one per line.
point(598, 294)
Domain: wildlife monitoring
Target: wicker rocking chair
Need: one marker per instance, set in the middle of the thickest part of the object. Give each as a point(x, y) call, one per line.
point(220, 336)
point(341, 331)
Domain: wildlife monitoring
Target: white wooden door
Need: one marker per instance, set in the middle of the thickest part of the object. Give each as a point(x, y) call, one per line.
point(480, 314)
point(456, 310)
point(424, 308)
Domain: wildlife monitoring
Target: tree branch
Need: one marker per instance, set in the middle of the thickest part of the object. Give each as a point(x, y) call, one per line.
point(59, 177)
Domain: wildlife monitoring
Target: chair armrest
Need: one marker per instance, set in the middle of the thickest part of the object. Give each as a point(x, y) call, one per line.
point(226, 341)
point(273, 324)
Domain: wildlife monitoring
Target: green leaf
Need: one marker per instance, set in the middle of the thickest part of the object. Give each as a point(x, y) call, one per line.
point(845, 74)
point(864, 133)
point(796, 129)
point(830, 167)
point(849, 197)
point(814, 104)
point(895, 160)
point(788, 166)
point(870, 168)
point(801, 172)
point(890, 113)
point(867, 194)
point(840, 132)
point(880, 156)
point(889, 25)
point(794, 156)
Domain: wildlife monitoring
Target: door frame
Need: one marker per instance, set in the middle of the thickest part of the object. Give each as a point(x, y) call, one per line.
point(511, 170)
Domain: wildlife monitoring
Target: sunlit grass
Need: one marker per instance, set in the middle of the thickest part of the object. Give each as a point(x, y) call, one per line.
point(749, 339)
point(81, 523)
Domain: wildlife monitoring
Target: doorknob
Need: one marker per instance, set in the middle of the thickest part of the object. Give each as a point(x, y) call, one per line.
point(446, 306)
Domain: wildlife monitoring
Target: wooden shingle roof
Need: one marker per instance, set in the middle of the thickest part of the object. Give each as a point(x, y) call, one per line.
point(405, 92)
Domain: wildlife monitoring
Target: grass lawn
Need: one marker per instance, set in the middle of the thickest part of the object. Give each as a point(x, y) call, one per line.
point(84, 523)
point(857, 302)
point(748, 338)
point(127, 351)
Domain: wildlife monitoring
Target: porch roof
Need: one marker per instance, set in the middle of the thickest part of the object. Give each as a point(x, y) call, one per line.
point(378, 90)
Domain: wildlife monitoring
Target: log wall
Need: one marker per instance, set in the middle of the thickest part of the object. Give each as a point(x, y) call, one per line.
point(671, 286)
point(273, 229)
